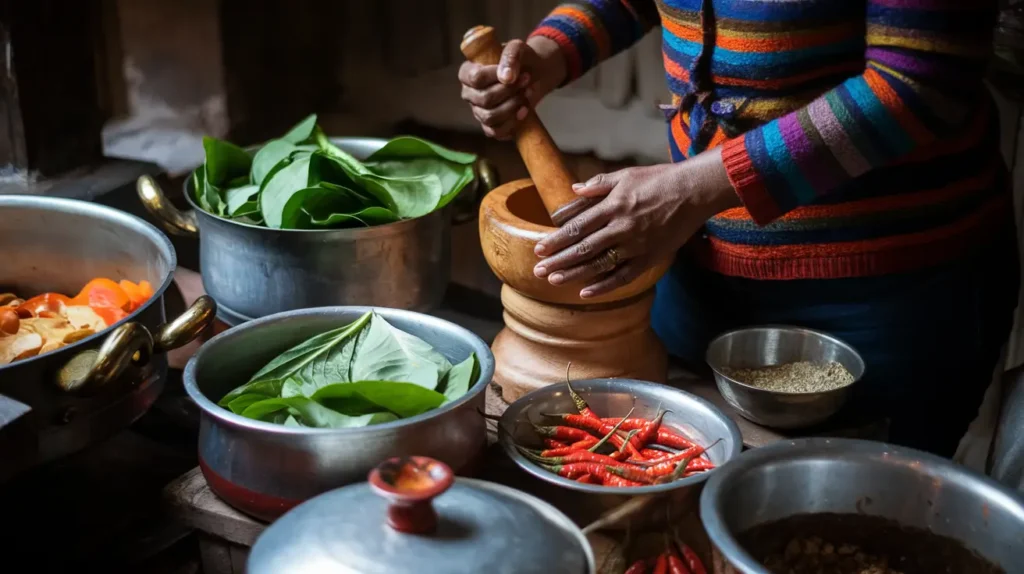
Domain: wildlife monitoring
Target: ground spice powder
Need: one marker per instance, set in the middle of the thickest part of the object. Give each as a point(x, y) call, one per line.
point(799, 377)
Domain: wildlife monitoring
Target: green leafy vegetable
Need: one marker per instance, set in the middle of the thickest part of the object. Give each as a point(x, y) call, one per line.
point(303, 181)
point(367, 372)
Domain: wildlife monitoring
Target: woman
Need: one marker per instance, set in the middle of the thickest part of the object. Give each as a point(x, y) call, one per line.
point(834, 165)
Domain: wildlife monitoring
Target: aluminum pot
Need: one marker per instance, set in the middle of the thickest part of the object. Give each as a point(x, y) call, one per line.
point(845, 476)
point(264, 469)
point(69, 398)
point(254, 271)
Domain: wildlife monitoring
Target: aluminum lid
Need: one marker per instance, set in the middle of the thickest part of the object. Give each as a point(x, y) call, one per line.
point(414, 516)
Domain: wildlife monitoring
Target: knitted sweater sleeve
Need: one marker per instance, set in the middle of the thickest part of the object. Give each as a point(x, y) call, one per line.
point(924, 65)
point(590, 31)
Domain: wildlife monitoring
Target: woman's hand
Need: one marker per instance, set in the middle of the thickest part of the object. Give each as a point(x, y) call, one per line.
point(501, 95)
point(645, 216)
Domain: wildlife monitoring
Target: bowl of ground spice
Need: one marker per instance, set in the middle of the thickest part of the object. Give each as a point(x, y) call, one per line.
point(784, 377)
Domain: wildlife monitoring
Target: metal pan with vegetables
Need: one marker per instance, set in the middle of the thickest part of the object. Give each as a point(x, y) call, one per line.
point(301, 402)
point(309, 221)
point(82, 325)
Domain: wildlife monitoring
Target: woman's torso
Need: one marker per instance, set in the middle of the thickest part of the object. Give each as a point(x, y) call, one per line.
point(733, 65)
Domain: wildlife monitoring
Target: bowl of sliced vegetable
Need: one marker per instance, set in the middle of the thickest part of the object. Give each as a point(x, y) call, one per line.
point(309, 221)
point(298, 403)
point(613, 440)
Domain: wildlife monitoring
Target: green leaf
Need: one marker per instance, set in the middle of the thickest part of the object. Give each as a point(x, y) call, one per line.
point(413, 147)
point(225, 161)
point(458, 379)
point(312, 414)
point(265, 386)
point(280, 187)
point(269, 156)
point(452, 177)
point(403, 399)
point(242, 200)
point(199, 188)
point(384, 353)
point(302, 132)
point(323, 359)
point(367, 217)
point(239, 405)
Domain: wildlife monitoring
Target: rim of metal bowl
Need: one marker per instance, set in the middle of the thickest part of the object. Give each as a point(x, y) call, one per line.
point(89, 208)
point(227, 417)
point(831, 338)
point(711, 498)
point(506, 443)
point(364, 232)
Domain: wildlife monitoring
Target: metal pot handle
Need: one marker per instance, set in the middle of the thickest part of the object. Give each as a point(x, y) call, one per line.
point(133, 344)
point(486, 180)
point(172, 219)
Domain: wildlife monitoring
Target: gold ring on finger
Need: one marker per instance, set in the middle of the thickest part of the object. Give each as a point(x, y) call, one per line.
point(613, 256)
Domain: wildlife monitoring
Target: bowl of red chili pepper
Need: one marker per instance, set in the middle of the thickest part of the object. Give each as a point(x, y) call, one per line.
point(614, 439)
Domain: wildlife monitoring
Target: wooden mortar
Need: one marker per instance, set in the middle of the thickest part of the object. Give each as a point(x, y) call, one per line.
point(548, 326)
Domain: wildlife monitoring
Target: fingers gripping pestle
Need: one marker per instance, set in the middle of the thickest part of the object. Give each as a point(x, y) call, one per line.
point(542, 158)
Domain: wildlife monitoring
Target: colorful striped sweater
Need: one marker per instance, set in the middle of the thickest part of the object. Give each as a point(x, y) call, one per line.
point(857, 133)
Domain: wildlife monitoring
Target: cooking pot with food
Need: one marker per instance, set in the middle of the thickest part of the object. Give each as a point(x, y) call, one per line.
point(82, 289)
point(264, 468)
point(414, 515)
point(840, 505)
point(254, 271)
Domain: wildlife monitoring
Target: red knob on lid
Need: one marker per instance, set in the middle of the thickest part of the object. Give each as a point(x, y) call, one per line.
point(410, 484)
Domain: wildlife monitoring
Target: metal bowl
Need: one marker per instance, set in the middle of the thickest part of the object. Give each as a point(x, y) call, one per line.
point(771, 345)
point(844, 476)
point(691, 415)
point(264, 469)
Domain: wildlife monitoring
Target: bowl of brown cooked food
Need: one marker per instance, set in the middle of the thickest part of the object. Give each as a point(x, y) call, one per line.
point(843, 506)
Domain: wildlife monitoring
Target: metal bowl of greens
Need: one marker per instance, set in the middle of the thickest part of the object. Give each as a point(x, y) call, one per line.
point(309, 221)
point(784, 377)
point(301, 402)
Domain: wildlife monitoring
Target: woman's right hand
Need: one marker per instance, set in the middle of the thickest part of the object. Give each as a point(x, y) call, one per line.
point(501, 95)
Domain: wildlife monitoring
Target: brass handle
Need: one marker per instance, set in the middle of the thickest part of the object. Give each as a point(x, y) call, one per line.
point(172, 219)
point(486, 180)
point(133, 344)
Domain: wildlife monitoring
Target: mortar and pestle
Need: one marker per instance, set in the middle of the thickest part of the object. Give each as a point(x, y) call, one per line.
point(548, 327)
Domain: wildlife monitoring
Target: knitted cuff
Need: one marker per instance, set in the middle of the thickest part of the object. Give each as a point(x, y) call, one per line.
point(748, 184)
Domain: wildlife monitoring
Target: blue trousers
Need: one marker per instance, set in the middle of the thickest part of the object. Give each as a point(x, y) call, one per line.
point(930, 339)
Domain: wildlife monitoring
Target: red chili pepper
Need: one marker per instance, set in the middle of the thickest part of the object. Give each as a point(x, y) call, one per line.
point(692, 560)
point(584, 444)
point(666, 437)
point(650, 432)
point(598, 426)
point(692, 452)
point(676, 565)
point(612, 480)
point(587, 479)
point(610, 433)
point(653, 453)
point(638, 567)
point(575, 456)
point(581, 405)
point(577, 469)
point(560, 451)
point(700, 464)
point(661, 566)
point(554, 443)
point(631, 473)
point(563, 433)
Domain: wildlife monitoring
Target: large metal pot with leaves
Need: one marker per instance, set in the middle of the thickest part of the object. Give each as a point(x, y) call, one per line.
point(57, 402)
point(253, 269)
point(264, 466)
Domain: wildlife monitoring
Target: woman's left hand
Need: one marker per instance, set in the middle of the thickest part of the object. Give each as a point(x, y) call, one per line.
point(646, 214)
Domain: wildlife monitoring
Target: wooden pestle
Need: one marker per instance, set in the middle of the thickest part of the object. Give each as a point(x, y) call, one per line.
point(543, 160)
